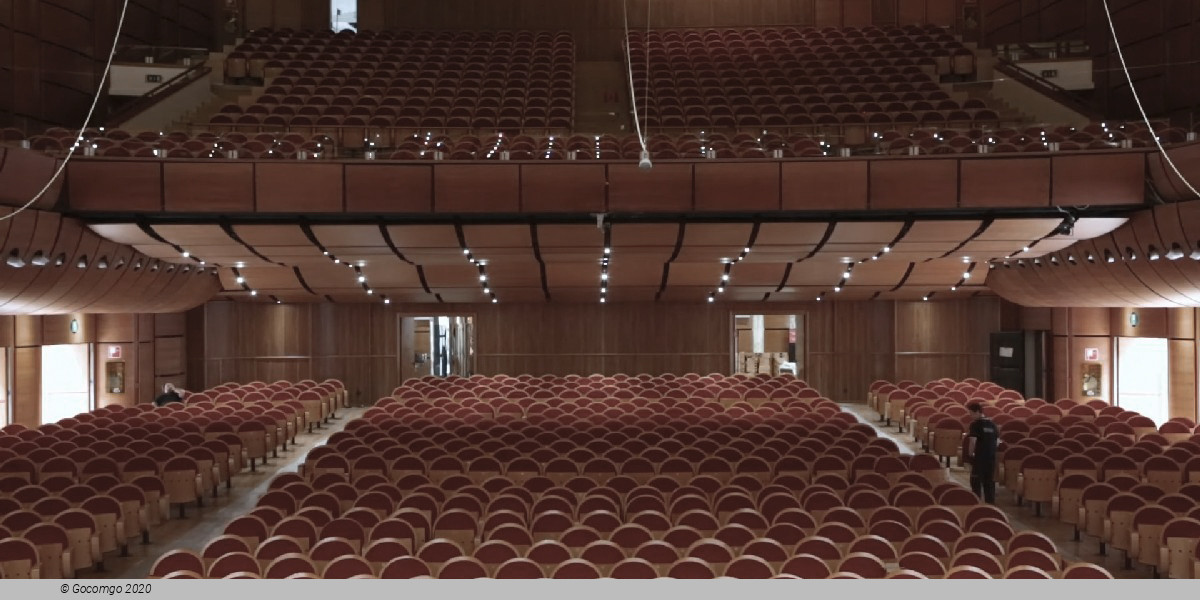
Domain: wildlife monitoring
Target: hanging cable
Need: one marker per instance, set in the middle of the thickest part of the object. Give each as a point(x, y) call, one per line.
point(1125, 68)
point(645, 161)
point(86, 121)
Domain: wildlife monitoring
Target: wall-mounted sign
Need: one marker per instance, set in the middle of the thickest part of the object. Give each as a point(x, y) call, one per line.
point(74, 326)
point(114, 352)
point(1091, 354)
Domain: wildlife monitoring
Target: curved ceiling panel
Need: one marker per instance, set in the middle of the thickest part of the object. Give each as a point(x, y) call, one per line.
point(50, 264)
point(1152, 260)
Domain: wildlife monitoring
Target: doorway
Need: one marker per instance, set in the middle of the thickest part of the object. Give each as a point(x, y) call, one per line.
point(1143, 377)
point(439, 345)
point(66, 381)
point(770, 343)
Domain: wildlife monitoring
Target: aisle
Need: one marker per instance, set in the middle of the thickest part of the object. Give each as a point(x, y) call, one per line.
point(203, 524)
point(1021, 518)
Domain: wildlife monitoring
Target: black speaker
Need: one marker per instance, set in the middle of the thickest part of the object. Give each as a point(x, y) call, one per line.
point(1017, 361)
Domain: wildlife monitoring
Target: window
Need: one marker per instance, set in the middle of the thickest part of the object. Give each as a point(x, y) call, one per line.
point(344, 14)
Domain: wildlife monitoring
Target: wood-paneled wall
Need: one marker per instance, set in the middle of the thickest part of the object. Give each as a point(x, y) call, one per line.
point(52, 52)
point(1076, 329)
point(849, 344)
point(1158, 38)
point(152, 347)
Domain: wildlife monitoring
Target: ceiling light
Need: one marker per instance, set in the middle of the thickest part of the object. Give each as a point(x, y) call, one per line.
point(83, 262)
point(1153, 253)
point(39, 259)
point(185, 254)
point(495, 300)
point(336, 261)
point(14, 259)
point(387, 300)
point(602, 300)
point(712, 298)
point(1195, 255)
point(746, 250)
point(102, 263)
point(1108, 257)
point(1130, 254)
point(1175, 253)
point(837, 288)
point(323, 253)
point(846, 275)
point(725, 277)
point(487, 290)
point(1025, 249)
point(483, 277)
point(362, 278)
point(1091, 257)
point(966, 274)
point(926, 298)
point(604, 277)
point(370, 291)
point(240, 280)
point(1071, 258)
point(253, 292)
point(721, 289)
point(607, 250)
point(966, 259)
point(887, 249)
point(466, 251)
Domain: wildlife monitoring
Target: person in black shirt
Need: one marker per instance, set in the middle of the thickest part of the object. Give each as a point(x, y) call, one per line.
point(170, 394)
point(983, 467)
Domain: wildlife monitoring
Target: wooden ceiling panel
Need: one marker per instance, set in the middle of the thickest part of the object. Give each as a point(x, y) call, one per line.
point(724, 235)
point(939, 272)
point(658, 254)
point(263, 236)
point(708, 254)
point(480, 237)
point(452, 276)
point(770, 255)
point(570, 236)
point(1018, 230)
point(515, 274)
point(411, 237)
point(789, 234)
point(644, 235)
point(583, 256)
point(564, 275)
point(633, 273)
point(192, 235)
point(394, 274)
point(877, 235)
point(122, 233)
point(348, 235)
point(941, 231)
point(695, 274)
point(632, 293)
point(750, 274)
point(685, 293)
point(823, 273)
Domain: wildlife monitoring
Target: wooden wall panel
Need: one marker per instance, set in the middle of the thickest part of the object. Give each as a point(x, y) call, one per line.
point(849, 344)
point(27, 386)
point(116, 328)
point(1183, 378)
point(226, 187)
point(298, 187)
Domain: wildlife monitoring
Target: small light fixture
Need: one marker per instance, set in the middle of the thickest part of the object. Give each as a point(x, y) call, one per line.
point(39, 259)
point(1108, 257)
point(14, 259)
point(186, 254)
point(1176, 252)
point(82, 263)
point(102, 263)
point(1153, 254)
point(240, 280)
point(253, 292)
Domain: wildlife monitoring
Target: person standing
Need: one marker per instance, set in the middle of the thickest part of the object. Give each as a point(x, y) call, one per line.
point(983, 467)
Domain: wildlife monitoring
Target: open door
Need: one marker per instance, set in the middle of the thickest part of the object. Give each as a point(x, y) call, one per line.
point(66, 381)
point(439, 345)
point(1143, 377)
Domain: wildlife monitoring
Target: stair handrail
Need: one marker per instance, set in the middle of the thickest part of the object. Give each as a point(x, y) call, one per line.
point(1047, 88)
point(158, 94)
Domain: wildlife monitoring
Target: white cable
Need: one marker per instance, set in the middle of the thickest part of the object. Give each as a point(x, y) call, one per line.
point(87, 120)
point(629, 61)
point(1121, 55)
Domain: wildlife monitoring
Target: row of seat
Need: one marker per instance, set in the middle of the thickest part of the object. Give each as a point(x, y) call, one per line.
point(390, 496)
point(1111, 473)
point(73, 491)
